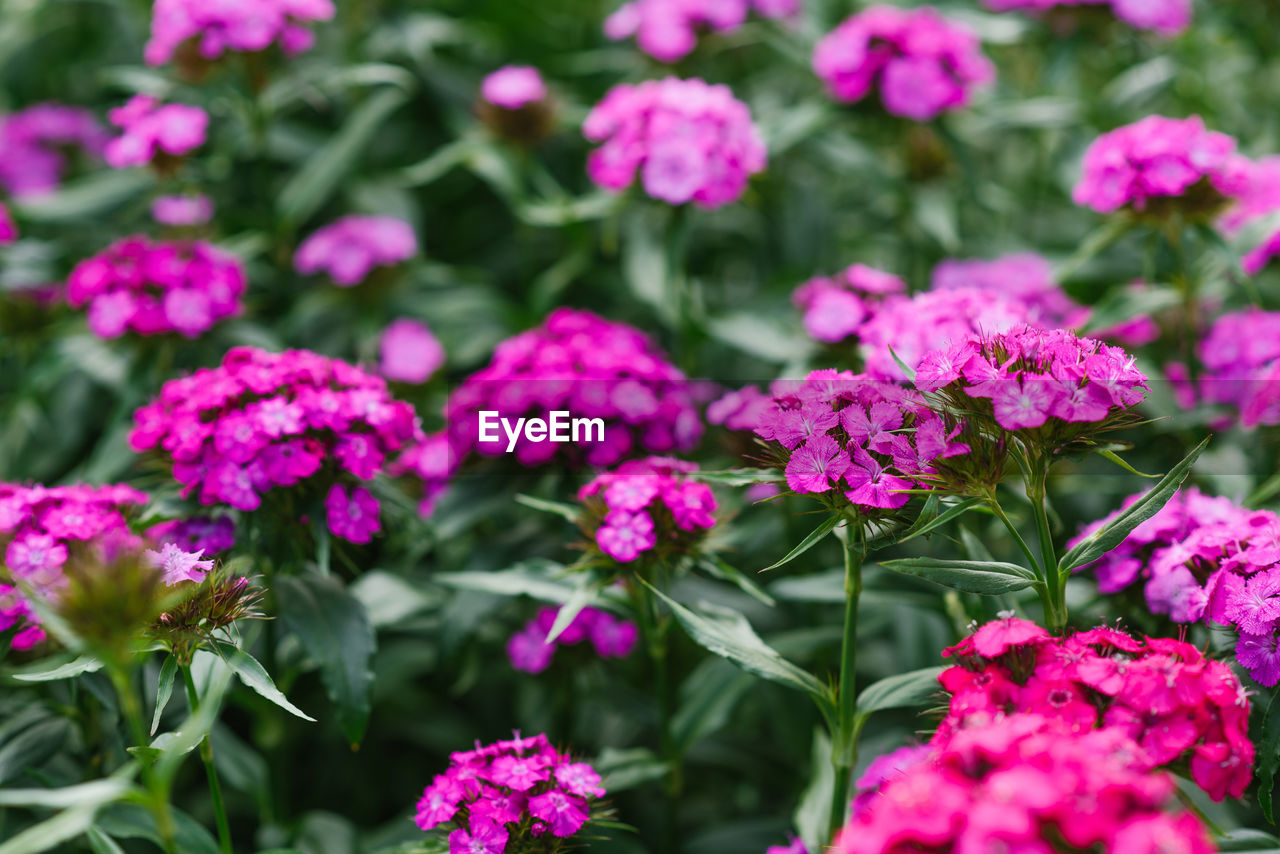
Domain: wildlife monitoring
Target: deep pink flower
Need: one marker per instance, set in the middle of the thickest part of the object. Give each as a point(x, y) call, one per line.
point(350, 248)
point(246, 27)
point(564, 814)
point(149, 127)
point(513, 86)
point(352, 516)
point(817, 465)
point(8, 230)
point(409, 352)
point(623, 536)
point(481, 837)
point(35, 141)
point(668, 30)
point(182, 210)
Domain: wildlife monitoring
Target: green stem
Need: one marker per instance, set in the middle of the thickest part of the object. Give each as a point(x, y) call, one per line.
point(1055, 584)
point(654, 636)
point(206, 756)
point(158, 795)
point(844, 741)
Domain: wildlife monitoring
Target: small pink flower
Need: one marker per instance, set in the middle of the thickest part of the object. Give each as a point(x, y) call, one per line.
point(513, 86)
point(178, 565)
point(352, 516)
point(409, 352)
point(564, 814)
point(623, 536)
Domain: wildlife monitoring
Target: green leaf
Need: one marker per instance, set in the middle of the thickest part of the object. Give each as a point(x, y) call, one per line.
point(818, 535)
point(130, 821)
point(101, 843)
point(717, 568)
point(86, 199)
point(389, 599)
point(707, 698)
point(1268, 490)
point(528, 578)
point(989, 578)
point(65, 670)
point(164, 689)
point(952, 512)
point(67, 824)
point(254, 676)
point(1247, 840)
point(902, 690)
point(566, 511)
point(1269, 758)
point(735, 477)
point(760, 336)
point(813, 813)
point(1113, 457)
point(625, 769)
point(32, 747)
point(726, 633)
point(1114, 532)
point(569, 611)
point(93, 793)
point(1124, 304)
point(320, 176)
point(335, 631)
point(644, 265)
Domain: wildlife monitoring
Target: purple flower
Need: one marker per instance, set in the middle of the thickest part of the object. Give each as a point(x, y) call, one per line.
point(247, 27)
point(563, 813)
point(410, 353)
point(34, 143)
point(1022, 403)
point(1258, 654)
point(351, 247)
point(182, 210)
point(150, 127)
point(817, 465)
point(513, 86)
point(482, 837)
point(623, 536)
point(668, 30)
point(178, 565)
point(352, 516)
point(528, 649)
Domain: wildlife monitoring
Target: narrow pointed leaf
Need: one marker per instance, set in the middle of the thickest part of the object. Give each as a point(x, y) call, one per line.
point(164, 690)
point(66, 670)
point(902, 690)
point(250, 672)
point(989, 578)
point(570, 610)
point(1114, 532)
point(952, 512)
point(567, 511)
point(718, 568)
point(819, 534)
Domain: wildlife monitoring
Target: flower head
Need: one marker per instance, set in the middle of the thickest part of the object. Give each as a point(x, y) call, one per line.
point(409, 352)
point(34, 143)
point(349, 249)
point(178, 565)
point(149, 128)
point(648, 507)
point(668, 30)
point(245, 27)
point(513, 86)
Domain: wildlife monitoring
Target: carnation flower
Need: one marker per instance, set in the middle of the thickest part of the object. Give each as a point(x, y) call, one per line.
point(648, 505)
point(921, 63)
point(1241, 359)
point(266, 421)
point(1050, 387)
point(853, 441)
point(667, 30)
point(245, 26)
point(836, 307)
point(410, 353)
point(575, 362)
point(513, 86)
point(349, 249)
point(178, 565)
point(1163, 694)
point(206, 534)
point(40, 527)
point(505, 794)
point(1024, 277)
point(34, 143)
point(1012, 784)
point(1159, 164)
point(149, 288)
point(181, 211)
point(151, 129)
point(1165, 17)
point(691, 141)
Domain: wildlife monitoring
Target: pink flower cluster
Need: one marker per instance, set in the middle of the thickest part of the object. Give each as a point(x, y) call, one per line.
point(182, 211)
point(39, 525)
point(431, 461)
point(1162, 693)
point(1166, 17)
point(409, 352)
point(1206, 558)
point(1241, 359)
point(150, 128)
point(910, 327)
point(350, 248)
point(1015, 784)
point(246, 26)
point(1258, 200)
point(157, 288)
point(836, 307)
point(263, 421)
point(921, 63)
point(691, 141)
point(581, 363)
point(1023, 276)
point(648, 504)
point(667, 30)
point(1031, 378)
point(504, 793)
point(34, 142)
point(845, 435)
point(741, 409)
point(1159, 158)
point(513, 86)
point(529, 651)
point(8, 230)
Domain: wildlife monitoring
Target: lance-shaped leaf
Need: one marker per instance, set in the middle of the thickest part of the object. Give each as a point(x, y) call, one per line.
point(48, 672)
point(989, 578)
point(251, 672)
point(570, 512)
point(164, 689)
point(818, 535)
point(336, 632)
point(727, 633)
point(899, 691)
point(1113, 533)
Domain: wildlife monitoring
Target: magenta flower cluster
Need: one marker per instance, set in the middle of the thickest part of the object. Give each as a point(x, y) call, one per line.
point(528, 649)
point(648, 504)
point(207, 534)
point(840, 434)
point(1206, 558)
point(1165, 17)
point(149, 288)
point(581, 363)
point(1012, 785)
point(1023, 276)
point(835, 307)
point(921, 63)
point(38, 526)
point(1174, 703)
point(1159, 158)
point(501, 796)
point(182, 211)
point(668, 30)
point(34, 143)
point(8, 229)
point(263, 421)
point(691, 141)
point(1033, 377)
point(513, 86)
point(349, 249)
point(149, 128)
point(409, 352)
point(1240, 356)
point(245, 26)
